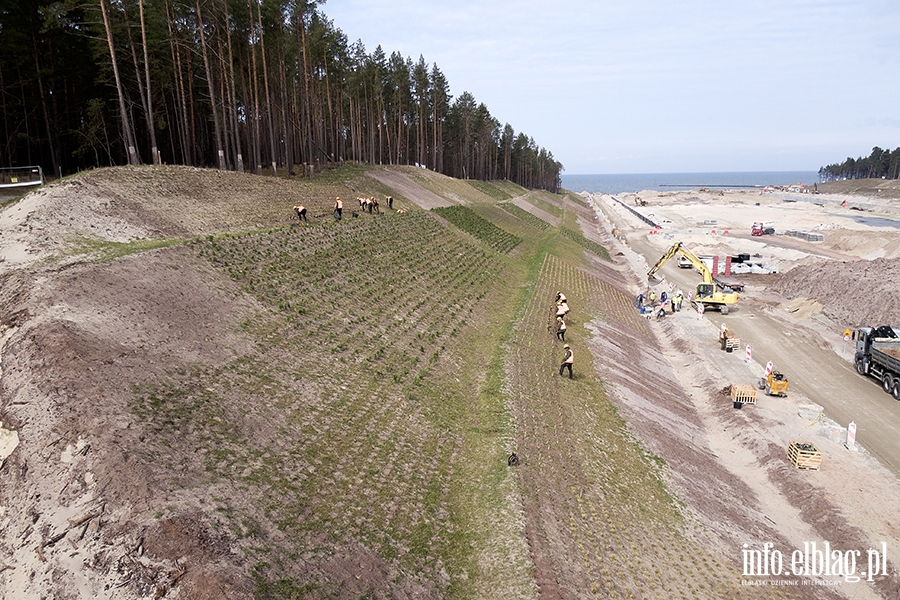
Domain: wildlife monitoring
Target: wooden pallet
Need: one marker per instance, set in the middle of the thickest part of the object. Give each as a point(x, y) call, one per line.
point(804, 455)
point(743, 393)
point(730, 344)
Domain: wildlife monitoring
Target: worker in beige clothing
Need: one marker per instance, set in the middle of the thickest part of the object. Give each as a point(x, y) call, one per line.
point(567, 361)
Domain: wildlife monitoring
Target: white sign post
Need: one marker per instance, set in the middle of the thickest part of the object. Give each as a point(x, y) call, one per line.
point(851, 436)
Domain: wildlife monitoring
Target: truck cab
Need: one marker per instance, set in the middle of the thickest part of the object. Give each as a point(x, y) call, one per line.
point(763, 228)
point(878, 356)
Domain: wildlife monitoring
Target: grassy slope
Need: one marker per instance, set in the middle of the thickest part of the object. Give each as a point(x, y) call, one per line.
point(398, 361)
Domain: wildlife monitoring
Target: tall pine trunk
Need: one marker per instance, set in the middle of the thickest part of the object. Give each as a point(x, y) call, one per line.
point(212, 90)
point(239, 159)
point(262, 47)
point(150, 125)
point(133, 158)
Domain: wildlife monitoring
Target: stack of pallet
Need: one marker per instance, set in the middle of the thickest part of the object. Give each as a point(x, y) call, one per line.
point(729, 344)
point(742, 393)
point(804, 455)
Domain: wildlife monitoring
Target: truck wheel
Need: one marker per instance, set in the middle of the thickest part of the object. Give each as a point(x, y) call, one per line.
point(887, 383)
point(862, 366)
point(895, 391)
point(724, 309)
point(768, 390)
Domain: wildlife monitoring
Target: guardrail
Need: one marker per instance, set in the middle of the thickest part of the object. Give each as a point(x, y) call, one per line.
point(643, 218)
point(21, 176)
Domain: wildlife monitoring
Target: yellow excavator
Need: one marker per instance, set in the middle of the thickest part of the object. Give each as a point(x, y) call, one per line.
point(707, 293)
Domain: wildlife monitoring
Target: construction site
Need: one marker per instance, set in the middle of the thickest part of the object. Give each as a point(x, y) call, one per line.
point(202, 396)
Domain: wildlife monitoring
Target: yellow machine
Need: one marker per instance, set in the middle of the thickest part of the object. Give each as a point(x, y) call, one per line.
point(775, 384)
point(707, 293)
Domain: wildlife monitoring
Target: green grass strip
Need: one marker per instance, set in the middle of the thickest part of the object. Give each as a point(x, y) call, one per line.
point(489, 189)
point(585, 243)
point(524, 215)
point(473, 223)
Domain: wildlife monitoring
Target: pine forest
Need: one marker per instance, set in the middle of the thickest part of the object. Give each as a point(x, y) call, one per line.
point(263, 86)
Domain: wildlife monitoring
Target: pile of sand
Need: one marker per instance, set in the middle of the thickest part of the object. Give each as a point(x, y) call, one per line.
point(854, 293)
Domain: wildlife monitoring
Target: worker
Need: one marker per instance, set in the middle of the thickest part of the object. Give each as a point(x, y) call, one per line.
point(375, 206)
point(661, 312)
point(338, 208)
point(390, 201)
point(663, 297)
point(301, 212)
point(724, 335)
point(566, 361)
point(679, 300)
point(560, 328)
point(640, 300)
point(560, 311)
point(652, 298)
point(560, 297)
point(565, 306)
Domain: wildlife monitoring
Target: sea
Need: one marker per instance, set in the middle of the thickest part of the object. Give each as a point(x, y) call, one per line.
point(636, 182)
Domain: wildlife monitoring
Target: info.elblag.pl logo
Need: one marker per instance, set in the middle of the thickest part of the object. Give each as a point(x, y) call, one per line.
point(815, 560)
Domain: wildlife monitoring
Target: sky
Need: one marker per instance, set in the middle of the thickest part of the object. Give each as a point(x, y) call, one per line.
point(661, 86)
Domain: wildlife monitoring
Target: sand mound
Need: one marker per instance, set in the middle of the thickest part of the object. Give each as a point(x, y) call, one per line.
point(854, 293)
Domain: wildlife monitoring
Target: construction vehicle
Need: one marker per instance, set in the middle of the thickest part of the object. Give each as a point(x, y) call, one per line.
point(763, 228)
point(774, 384)
point(707, 293)
point(878, 355)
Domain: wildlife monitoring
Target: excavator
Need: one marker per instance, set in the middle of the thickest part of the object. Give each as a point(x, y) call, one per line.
point(707, 293)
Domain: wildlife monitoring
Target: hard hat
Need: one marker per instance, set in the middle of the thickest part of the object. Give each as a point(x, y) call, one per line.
point(566, 346)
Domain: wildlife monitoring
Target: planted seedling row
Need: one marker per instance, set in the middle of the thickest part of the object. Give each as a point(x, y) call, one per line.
point(524, 215)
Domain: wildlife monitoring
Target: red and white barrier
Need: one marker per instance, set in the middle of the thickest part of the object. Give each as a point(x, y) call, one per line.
point(769, 367)
point(851, 436)
point(748, 358)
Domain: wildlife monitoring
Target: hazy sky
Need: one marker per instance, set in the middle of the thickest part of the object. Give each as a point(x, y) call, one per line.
point(656, 86)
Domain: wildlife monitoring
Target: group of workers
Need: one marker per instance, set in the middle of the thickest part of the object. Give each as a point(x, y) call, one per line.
point(368, 204)
point(649, 304)
point(562, 310)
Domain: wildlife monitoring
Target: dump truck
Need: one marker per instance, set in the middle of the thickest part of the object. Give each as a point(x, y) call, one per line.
point(707, 293)
point(878, 356)
point(763, 228)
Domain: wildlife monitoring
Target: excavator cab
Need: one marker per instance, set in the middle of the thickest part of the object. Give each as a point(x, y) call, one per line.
point(705, 290)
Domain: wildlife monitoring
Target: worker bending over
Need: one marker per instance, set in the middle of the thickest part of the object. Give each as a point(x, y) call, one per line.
point(301, 212)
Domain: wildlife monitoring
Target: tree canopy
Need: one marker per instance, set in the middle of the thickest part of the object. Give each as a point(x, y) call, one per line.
point(257, 85)
point(879, 164)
